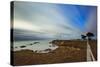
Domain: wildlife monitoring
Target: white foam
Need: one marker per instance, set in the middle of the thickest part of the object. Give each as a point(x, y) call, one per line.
point(39, 47)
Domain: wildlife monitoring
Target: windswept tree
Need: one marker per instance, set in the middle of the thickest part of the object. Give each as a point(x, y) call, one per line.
point(83, 37)
point(89, 35)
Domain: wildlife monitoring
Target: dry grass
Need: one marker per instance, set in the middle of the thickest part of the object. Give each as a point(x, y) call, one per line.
point(93, 45)
point(68, 51)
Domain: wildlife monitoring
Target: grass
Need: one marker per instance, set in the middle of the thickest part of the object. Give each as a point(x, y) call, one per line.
point(68, 51)
point(93, 45)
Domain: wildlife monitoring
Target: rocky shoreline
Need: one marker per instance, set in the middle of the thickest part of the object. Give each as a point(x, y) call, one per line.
point(68, 51)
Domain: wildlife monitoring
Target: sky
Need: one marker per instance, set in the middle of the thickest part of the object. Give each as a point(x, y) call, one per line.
point(34, 20)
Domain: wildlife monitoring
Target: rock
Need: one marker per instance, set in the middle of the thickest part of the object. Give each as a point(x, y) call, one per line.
point(50, 42)
point(35, 51)
point(47, 49)
point(36, 42)
point(50, 46)
point(31, 44)
point(15, 47)
point(22, 46)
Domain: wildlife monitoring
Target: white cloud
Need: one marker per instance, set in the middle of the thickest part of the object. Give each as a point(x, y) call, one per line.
point(44, 18)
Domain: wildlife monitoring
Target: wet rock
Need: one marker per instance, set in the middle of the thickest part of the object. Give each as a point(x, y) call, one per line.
point(22, 46)
point(36, 42)
point(48, 49)
point(31, 44)
point(50, 42)
point(15, 47)
point(35, 51)
point(53, 45)
point(50, 45)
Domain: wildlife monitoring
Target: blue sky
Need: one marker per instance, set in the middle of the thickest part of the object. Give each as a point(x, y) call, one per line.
point(47, 21)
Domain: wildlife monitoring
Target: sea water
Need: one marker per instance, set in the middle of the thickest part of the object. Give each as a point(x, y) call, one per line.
point(39, 46)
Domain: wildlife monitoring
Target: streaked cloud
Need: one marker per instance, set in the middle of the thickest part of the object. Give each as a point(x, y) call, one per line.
point(48, 20)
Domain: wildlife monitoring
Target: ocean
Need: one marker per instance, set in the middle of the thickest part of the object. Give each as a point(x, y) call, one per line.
point(39, 46)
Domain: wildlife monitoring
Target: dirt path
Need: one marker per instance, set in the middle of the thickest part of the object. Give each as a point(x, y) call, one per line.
point(90, 56)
